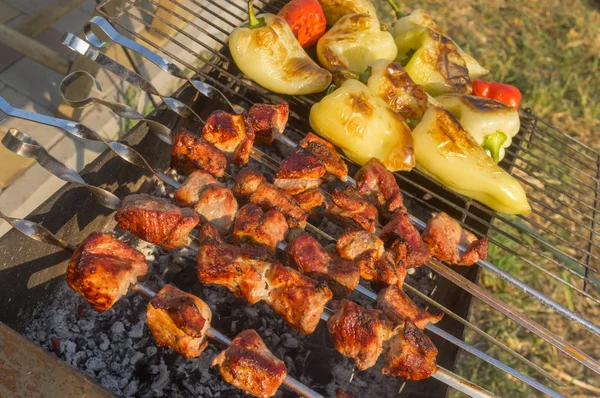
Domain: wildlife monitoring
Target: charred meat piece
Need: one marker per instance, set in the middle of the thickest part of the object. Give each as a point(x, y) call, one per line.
point(310, 258)
point(191, 152)
point(266, 121)
point(298, 299)
point(379, 186)
point(189, 192)
point(444, 233)
point(218, 206)
point(241, 270)
point(397, 306)
point(327, 154)
point(359, 333)
point(340, 393)
point(179, 320)
point(249, 365)
point(228, 132)
point(400, 227)
point(264, 229)
point(102, 268)
point(351, 209)
point(310, 199)
point(253, 186)
point(299, 171)
point(411, 355)
point(156, 220)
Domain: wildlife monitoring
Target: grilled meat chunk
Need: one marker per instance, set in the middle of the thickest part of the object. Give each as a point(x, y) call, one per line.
point(102, 268)
point(266, 121)
point(191, 152)
point(310, 258)
point(189, 192)
point(349, 208)
point(359, 333)
point(254, 187)
point(327, 154)
point(379, 186)
point(241, 270)
point(411, 355)
point(179, 320)
point(397, 306)
point(400, 227)
point(387, 267)
point(444, 233)
point(228, 132)
point(265, 229)
point(249, 365)
point(352, 244)
point(299, 171)
point(156, 220)
point(309, 199)
point(218, 206)
point(298, 299)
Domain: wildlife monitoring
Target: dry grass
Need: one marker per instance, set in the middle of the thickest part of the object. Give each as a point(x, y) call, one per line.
point(550, 49)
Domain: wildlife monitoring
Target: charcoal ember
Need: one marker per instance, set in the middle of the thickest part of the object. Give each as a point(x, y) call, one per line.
point(111, 382)
point(94, 364)
point(131, 389)
point(137, 330)
point(117, 331)
point(151, 351)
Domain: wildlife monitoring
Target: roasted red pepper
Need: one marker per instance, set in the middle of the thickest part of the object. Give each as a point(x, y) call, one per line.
point(307, 20)
point(510, 95)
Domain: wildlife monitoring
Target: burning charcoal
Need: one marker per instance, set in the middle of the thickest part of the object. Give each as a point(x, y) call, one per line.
point(150, 351)
point(94, 364)
point(117, 331)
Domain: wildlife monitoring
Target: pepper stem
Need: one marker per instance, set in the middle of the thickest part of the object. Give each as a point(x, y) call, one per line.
point(399, 14)
point(254, 22)
point(493, 143)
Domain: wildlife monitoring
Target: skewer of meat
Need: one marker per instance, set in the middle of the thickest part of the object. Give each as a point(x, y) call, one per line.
point(102, 268)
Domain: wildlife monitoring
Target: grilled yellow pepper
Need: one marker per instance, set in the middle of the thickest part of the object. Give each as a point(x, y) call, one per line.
point(433, 61)
point(391, 83)
point(267, 52)
point(421, 19)
point(450, 155)
point(354, 42)
point(335, 9)
point(492, 123)
point(363, 126)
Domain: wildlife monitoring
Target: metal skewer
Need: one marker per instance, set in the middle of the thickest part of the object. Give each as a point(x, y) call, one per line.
point(83, 48)
point(80, 131)
point(20, 141)
point(121, 110)
point(164, 64)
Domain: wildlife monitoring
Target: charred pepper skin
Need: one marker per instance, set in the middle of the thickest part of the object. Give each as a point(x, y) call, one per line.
point(451, 156)
point(267, 52)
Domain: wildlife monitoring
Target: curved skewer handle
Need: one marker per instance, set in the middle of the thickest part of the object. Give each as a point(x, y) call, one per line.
point(20, 143)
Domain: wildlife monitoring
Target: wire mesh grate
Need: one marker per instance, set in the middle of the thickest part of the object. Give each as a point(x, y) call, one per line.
point(558, 240)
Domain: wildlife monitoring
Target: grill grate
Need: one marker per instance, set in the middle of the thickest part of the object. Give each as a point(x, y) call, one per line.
point(559, 238)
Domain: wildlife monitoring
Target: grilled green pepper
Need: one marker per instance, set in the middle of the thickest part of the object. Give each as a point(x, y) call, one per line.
point(450, 155)
point(391, 83)
point(354, 42)
point(363, 126)
point(492, 123)
point(421, 19)
point(267, 52)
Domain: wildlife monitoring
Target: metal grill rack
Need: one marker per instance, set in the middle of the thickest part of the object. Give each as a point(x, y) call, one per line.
point(558, 240)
